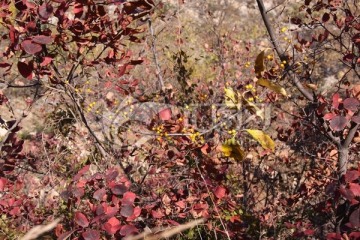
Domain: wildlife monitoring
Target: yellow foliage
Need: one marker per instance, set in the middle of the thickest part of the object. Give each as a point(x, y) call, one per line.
point(231, 148)
point(262, 138)
point(259, 63)
point(254, 109)
point(272, 86)
point(13, 11)
point(232, 98)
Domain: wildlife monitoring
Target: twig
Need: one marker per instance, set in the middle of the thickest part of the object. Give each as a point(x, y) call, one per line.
point(167, 233)
point(153, 49)
point(39, 230)
point(212, 200)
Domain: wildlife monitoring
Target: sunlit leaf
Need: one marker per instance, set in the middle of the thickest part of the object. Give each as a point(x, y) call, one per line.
point(112, 225)
point(272, 86)
point(264, 139)
point(220, 192)
point(231, 148)
point(165, 114)
point(231, 98)
point(254, 109)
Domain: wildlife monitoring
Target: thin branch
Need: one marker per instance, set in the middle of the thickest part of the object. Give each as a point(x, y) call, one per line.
point(153, 49)
point(39, 230)
point(282, 54)
point(212, 200)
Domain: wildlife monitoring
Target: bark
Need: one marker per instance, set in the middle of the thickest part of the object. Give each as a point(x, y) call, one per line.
point(343, 158)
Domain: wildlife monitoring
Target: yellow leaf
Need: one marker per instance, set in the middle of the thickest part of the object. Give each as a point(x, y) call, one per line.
point(231, 98)
point(264, 139)
point(272, 86)
point(259, 63)
point(254, 109)
point(13, 11)
point(231, 148)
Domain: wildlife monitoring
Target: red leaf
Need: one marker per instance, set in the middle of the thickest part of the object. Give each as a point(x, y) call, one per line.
point(346, 193)
point(78, 8)
point(348, 57)
point(157, 214)
point(112, 225)
point(165, 114)
point(31, 47)
point(335, 101)
point(12, 35)
point(352, 175)
point(128, 198)
point(205, 149)
point(354, 188)
point(118, 189)
point(333, 236)
point(91, 235)
point(42, 39)
point(81, 220)
point(126, 210)
point(25, 70)
point(15, 211)
point(338, 123)
point(45, 11)
point(3, 182)
point(354, 235)
point(78, 192)
point(99, 194)
point(234, 218)
point(180, 204)
point(128, 229)
point(351, 104)
point(111, 175)
point(354, 218)
point(137, 212)
point(81, 172)
point(111, 211)
point(220, 192)
point(309, 232)
point(46, 61)
point(329, 116)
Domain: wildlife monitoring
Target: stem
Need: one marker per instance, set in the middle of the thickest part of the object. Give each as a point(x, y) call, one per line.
point(308, 95)
point(343, 158)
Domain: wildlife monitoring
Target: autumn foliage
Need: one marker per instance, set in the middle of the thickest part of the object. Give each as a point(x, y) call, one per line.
point(148, 122)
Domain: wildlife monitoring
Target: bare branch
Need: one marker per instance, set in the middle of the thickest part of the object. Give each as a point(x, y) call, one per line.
point(153, 49)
